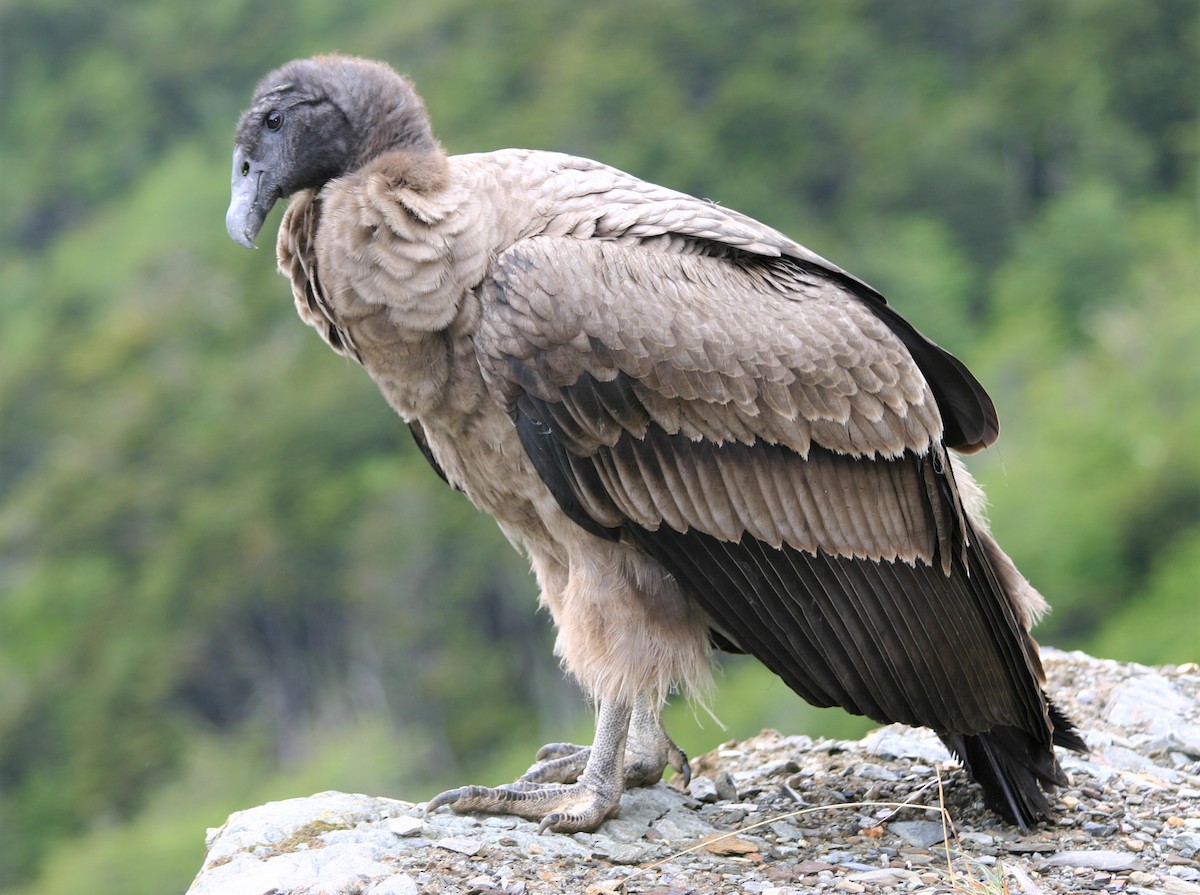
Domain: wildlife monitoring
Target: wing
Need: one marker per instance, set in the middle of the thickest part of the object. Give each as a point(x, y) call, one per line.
point(767, 437)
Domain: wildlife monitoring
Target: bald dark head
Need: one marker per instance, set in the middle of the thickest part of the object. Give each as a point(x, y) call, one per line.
point(312, 120)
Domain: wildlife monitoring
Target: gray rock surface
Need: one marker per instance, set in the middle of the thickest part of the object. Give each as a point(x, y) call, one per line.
point(870, 820)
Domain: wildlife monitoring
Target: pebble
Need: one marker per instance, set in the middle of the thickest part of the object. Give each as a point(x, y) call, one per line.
point(397, 884)
point(405, 825)
point(918, 833)
point(462, 845)
point(1100, 859)
point(703, 789)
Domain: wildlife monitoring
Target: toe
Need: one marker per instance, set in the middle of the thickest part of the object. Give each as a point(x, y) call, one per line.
point(552, 751)
point(563, 769)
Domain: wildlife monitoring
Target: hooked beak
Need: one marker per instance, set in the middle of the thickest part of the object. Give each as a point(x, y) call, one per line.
point(252, 195)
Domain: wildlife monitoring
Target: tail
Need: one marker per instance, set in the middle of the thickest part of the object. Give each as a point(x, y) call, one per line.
point(1016, 769)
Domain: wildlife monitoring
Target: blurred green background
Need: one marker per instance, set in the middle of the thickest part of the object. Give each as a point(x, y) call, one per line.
point(225, 574)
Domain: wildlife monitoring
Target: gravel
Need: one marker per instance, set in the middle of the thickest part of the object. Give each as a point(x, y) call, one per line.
point(1128, 823)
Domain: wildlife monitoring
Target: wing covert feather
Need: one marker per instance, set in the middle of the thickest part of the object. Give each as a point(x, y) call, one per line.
point(707, 348)
point(723, 384)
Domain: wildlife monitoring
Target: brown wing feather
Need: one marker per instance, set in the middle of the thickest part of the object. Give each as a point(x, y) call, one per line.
point(724, 357)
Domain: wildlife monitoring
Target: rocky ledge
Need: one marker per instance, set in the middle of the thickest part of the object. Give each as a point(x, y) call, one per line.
point(777, 815)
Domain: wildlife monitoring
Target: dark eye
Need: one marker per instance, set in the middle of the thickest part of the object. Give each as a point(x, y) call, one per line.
point(274, 120)
point(245, 169)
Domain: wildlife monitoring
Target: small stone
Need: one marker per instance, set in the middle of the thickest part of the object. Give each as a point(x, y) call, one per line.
point(606, 887)
point(978, 840)
point(731, 846)
point(726, 788)
point(891, 876)
point(877, 772)
point(1100, 859)
point(918, 833)
point(1028, 846)
point(1141, 878)
point(850, 886)
point(405, 825)
point(399, 884)
point(915, 859)
point(1174, 886)
point(703, 789)
point(460, 844)
point(624, 853)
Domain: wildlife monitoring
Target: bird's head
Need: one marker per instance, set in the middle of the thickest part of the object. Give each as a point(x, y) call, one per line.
point(312, 120)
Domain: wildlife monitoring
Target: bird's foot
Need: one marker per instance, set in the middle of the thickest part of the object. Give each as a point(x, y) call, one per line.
point(648, 752)
point(562, 807)
point(574, 789)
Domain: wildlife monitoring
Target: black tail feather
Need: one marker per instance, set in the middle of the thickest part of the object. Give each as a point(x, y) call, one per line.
point(1016, 770)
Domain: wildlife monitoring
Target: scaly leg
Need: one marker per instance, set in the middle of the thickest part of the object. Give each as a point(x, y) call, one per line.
point(648, 751)
point(575, 807)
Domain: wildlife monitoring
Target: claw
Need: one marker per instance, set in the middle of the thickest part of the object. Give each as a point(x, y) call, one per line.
point(556, 765)
point(679, 762)
point(554, 751)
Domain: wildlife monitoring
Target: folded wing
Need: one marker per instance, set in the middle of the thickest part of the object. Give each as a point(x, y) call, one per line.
point(762, 432)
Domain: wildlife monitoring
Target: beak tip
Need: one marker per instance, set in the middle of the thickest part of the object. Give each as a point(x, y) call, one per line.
point(242, 226)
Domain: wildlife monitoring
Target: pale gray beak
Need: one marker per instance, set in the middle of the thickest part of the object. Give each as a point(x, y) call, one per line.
point(252, 195)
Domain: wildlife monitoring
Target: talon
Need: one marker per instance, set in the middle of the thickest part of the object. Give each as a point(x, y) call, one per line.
point(549, 821)
point(443, 798)
point(683, 768)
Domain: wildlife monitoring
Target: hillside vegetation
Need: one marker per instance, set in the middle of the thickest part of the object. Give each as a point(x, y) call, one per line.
point(226, 576)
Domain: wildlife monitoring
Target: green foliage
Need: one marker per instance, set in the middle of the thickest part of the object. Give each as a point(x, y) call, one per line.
point(225, 574)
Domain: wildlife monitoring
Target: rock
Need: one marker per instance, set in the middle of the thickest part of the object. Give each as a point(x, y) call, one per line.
point(1173, 886)
point(405, 826)
point(891, 876)
point(460, 844)
point(897, 741)
point(1145, 702)
point(918, 833)
point(399, 884)
point(1100, 859)
point(703, 789)
point(1138, 793)
point(726, 788)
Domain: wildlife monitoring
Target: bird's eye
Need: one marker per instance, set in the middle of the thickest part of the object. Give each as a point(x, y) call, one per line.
point(274, 120)
point(245, 169)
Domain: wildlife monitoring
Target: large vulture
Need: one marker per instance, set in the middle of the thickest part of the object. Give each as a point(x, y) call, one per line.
point(703, 434)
